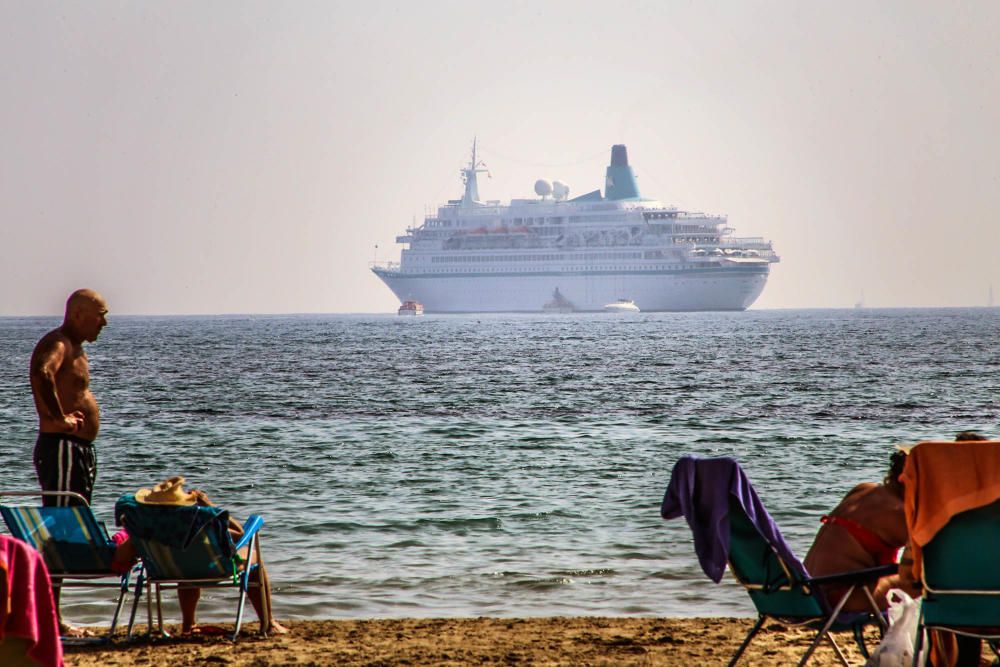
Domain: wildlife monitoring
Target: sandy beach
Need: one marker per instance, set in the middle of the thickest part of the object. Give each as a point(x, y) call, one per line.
point(477, 641)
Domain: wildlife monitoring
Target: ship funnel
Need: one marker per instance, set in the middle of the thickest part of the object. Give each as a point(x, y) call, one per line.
point(620, 180)
point(619, 156)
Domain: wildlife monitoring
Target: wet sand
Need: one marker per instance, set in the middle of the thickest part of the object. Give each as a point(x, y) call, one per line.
point(481, 641)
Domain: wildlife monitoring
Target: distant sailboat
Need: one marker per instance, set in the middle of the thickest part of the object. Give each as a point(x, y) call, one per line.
point(989, 300)
point(860, 303)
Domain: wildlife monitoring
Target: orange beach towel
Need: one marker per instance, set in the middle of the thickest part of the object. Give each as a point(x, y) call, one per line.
point(942, 479)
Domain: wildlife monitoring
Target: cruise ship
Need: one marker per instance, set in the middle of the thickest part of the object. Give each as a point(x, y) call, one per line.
point(475, 256)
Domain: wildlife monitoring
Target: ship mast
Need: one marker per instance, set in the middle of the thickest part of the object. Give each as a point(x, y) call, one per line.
point(471, 195)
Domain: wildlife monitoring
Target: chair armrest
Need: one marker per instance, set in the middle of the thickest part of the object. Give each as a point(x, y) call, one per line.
point(857, 576)
point(253, 524)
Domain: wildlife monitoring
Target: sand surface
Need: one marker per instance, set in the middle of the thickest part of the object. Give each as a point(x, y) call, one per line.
point(481, 641)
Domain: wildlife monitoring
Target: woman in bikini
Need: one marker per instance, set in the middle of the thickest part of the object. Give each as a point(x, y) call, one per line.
point(866, 529)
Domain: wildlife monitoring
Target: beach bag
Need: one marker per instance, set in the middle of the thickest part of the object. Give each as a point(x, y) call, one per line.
point(896, 648)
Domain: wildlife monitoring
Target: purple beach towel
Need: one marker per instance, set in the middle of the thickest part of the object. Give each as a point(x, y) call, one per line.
point(700, 489)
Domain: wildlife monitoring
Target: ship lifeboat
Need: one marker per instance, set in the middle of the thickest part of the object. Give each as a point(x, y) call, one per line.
point(411, 308)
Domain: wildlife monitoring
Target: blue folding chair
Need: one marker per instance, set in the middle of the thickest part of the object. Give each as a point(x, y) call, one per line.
point(75, 546)
point(189, 547)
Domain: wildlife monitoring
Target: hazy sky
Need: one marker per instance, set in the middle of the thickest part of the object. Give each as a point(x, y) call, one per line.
point(236, 157)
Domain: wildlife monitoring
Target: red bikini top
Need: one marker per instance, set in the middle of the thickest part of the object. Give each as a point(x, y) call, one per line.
point(883, 553)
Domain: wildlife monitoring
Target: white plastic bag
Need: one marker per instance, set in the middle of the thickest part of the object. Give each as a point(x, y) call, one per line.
point(896, 648)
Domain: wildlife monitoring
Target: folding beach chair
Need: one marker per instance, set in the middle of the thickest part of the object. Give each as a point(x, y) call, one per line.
point(188, 547)
point(74, 544)
point(731, 526)
point(958, 549)
point(961, 579)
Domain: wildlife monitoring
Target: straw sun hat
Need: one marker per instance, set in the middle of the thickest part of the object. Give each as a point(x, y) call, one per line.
point(167, 492)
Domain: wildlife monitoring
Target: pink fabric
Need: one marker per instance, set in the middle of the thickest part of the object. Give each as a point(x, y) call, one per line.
point(122, 564)
point(32, 610)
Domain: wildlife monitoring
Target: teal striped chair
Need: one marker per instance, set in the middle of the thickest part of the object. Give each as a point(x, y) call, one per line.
point(75, 546)
point(188, 547)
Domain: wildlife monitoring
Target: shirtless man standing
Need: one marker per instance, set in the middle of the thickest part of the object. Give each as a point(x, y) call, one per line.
point(68, 416)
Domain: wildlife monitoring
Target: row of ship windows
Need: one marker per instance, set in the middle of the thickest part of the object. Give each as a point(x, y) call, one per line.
point(591, 257)
point(558, 220)
point(677, 237)
point(660, 267)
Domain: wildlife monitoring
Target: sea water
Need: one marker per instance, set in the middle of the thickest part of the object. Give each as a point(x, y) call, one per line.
point(504, 465)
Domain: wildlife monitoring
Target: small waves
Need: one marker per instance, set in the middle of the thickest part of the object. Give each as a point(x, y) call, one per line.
point(461, 526)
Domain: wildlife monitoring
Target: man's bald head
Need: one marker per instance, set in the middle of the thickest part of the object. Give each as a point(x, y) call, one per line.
point(85, 314)
point(85, 298)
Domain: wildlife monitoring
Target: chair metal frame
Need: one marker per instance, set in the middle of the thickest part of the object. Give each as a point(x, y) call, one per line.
point(239, 579)
point(805, 586)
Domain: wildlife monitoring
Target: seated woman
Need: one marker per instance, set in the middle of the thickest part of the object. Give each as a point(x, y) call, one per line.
point(170, 492)
point(865, 530)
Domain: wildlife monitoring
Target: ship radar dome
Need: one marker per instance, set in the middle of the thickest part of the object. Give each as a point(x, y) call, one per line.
point(560, 190)
point(543, 188)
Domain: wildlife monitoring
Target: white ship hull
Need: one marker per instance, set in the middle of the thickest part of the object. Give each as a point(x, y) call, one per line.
point(686, 290)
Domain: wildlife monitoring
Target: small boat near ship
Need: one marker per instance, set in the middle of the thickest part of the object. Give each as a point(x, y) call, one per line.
point(411, 308)
point(558, 304)
point(621, 306)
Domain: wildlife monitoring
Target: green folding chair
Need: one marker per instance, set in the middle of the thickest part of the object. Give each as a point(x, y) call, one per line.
point(961, 579)
point(714, 493)
point(781, 591)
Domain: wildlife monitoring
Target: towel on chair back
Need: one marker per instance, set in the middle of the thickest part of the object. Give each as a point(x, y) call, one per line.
point(700, 490)
point(175, 526)
point(942, 479)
